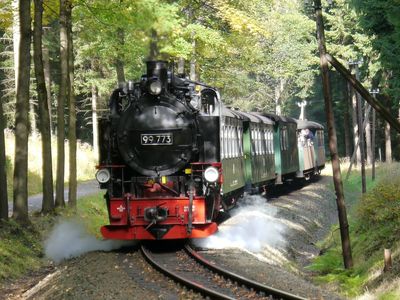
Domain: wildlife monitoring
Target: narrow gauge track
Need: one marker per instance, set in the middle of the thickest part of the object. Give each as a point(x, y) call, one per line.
point(195, 272)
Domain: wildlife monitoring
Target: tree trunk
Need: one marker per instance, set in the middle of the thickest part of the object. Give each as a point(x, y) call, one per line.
point(94, 121)
point(61, 104)
point(355, 125)
point(16, 38)
point(373, 142)
point(32, 117)
point(181, 66)
point(388, 143)
point(154, 52)
point(47, 182)
point(72, 114)
point(20, 209)
point(337, 178)
point(346, 123)
point(3, 168)
point(278, 93)
point(368, 138)
point(47, 79)
point(119, 64)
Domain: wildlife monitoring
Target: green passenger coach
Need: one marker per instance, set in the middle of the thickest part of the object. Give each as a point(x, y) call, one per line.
point(285, 146)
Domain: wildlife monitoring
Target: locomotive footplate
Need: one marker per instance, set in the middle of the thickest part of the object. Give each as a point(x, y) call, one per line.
point(157, 218)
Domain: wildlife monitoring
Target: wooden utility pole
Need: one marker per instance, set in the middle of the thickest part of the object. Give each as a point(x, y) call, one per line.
point(337, 178)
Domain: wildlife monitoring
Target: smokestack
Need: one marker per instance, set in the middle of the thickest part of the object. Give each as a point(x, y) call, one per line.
point(159, 69)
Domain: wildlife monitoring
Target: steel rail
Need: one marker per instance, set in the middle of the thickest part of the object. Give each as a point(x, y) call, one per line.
point(269, 291)
point(193, 285)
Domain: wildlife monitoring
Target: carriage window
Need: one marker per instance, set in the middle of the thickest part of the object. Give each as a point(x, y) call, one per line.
point(284, 138)
point(256, 140)
point(271, 140)
point(228, 131)
point(320, 138)
point(262, 140)
point(240, 141)
point(231, 141)
point(253, 150)
point(222, 143)
point(265, 135)
point(235, 141)
point(226, 141)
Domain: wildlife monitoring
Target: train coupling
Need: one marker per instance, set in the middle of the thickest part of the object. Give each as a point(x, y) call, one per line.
point(155, 214)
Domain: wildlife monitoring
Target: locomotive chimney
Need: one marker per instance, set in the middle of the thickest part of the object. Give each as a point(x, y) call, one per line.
point(158, 69)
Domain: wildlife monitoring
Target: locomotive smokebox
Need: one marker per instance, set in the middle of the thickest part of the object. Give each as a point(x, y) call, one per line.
point(157, 76)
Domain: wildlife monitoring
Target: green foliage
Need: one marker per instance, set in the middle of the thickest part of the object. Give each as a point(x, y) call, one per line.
point(5, 14)
point(380, 19)
point(92, 210)
point(379, 213)
point(374, 225)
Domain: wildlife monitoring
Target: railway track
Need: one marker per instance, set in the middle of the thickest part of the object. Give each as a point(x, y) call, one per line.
point(190, 269)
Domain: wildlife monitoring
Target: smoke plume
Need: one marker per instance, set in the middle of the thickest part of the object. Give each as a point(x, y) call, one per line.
point(70, 239)
point(252, 227)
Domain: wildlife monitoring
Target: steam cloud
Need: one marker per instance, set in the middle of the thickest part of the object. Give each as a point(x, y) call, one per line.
point(252, 226)
point(69, 239)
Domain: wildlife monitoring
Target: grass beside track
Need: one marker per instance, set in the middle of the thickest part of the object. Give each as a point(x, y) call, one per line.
point(21, 246)
point(374, 220)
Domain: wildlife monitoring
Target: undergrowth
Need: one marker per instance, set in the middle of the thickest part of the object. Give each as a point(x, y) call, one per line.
point(21, 246)
point(374, 220)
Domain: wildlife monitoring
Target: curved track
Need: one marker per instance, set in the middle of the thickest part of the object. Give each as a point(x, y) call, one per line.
point(195, 272)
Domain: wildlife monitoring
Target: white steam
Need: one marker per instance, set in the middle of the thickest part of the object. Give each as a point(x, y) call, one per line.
point(70, 239)
point(252, 227)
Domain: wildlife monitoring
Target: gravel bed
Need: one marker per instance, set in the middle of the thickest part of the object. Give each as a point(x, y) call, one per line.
point(307, 213)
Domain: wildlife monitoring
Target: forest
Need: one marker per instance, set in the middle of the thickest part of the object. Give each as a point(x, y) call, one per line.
point(61, 59)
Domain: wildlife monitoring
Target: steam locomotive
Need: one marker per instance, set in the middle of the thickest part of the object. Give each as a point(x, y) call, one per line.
point(172, 156)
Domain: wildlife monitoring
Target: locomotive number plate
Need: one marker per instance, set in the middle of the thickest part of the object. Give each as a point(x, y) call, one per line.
point(156, 139)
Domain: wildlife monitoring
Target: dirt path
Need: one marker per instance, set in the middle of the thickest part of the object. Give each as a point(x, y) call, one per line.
point(84, 189)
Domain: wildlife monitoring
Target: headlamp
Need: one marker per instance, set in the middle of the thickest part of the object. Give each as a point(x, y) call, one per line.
point(211, 174)
point(155, 87)
point(103, 175)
